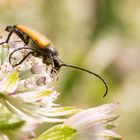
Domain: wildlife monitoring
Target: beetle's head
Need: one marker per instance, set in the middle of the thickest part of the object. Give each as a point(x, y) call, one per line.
point(8, 28)
point(52, 58)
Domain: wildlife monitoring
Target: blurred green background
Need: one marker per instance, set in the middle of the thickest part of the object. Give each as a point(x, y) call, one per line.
point(100, 35)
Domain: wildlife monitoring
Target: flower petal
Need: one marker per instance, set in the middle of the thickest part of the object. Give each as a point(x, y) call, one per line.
point(39, 94)
point(96, 114)
point(9, 84)
point(108, 135)
point(59, 111)
point(4, 55)
point(27, 111)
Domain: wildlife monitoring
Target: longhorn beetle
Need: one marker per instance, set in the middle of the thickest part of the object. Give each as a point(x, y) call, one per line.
point(40, 45)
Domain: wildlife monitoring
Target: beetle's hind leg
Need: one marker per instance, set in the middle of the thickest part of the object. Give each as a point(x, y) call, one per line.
point(23, 48)
point(24, 58)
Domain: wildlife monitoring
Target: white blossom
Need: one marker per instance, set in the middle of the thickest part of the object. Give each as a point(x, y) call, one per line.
point(92, 124)
point(24, 89)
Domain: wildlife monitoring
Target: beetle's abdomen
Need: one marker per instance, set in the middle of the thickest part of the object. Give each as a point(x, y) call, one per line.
point(41, 40)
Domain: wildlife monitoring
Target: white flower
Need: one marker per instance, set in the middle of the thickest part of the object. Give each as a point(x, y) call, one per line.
point(92, 124)
point(24, 89)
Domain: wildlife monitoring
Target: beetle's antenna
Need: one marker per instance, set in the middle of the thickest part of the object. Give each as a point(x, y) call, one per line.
point(106, 86)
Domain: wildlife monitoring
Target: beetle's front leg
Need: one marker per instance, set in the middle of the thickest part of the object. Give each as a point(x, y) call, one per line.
point(48, 60)
point(8, 38)
point(54, 71)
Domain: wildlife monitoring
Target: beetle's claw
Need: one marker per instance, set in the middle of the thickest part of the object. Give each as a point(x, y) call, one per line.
point(2, 43)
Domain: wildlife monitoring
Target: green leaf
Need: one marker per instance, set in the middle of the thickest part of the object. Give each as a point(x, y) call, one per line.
point(7, 126)
point(58, 132)
point(9, 122)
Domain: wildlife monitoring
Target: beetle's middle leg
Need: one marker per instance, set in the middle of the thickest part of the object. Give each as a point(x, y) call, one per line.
point(23, 48)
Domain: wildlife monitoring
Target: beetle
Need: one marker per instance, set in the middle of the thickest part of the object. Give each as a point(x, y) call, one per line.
point(41, 46)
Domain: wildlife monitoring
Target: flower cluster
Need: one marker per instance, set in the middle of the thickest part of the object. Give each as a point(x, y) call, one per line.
point(25, 91)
